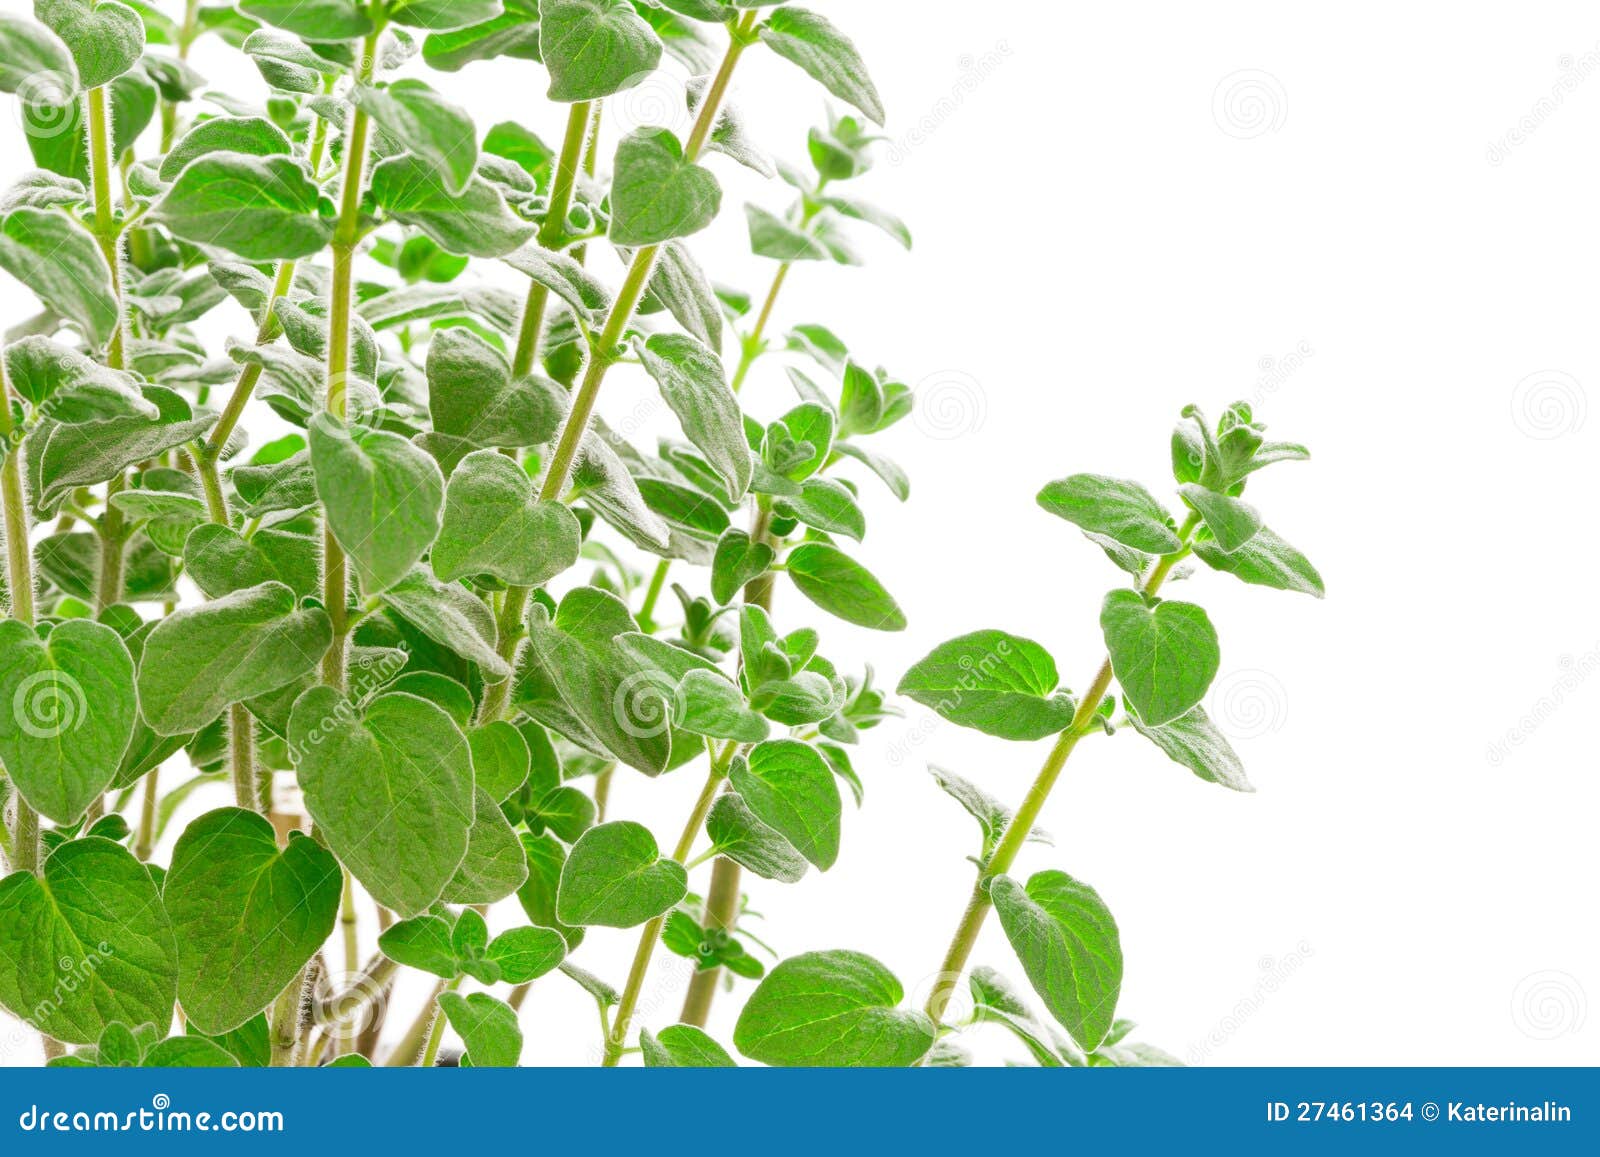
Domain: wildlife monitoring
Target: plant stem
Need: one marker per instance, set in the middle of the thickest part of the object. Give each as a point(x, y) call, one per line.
point(113, 539)
point(346, 235)
point(553, 229)
point(430, 1054)
point(647, 610)
point(105, 224)
point(145, 842)
point(1016, 833)
point(285, 1022)
point(617, 1039)
point(242, 747)
point(406, 1050)
point(24, 850)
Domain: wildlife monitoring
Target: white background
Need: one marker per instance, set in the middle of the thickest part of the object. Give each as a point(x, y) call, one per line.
point(1121, 209)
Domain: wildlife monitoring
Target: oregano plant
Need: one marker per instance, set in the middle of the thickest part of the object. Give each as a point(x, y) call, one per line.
point(303, 503)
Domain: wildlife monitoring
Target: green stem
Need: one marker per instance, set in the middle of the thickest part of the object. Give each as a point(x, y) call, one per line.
point(1016, 833)
point(242, 748)
point(411, 1043)
point(346, 235)
point(105, 224)
point(285, 1022)
point(753, 346)
point(617, 1038)
point(24, 851)
point(553, 229)
point(144, 843)
point(113, 542)
point(652, 596)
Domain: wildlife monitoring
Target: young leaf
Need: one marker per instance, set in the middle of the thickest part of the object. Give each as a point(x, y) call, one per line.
point(834, 1008)
point(682, 1046)
point(422, 942)
point(451, 616)
point(390, 787)
point(86, 944)
point(774, 237)
point(1266, 560)
point(825, 505)
point(616, 876)
point(200, 659)
point(247, 916)
point(658, 193)
point(432, 128)
point(1232, 523)
point(812, 42)
point(69, 713)
point(738, 560)
point(693, 383)
point(1194, 741)
point(1164, 656)
point(789, 787)
point(494, 524)
point(1123, 511)
point(472, 396)
point(594, 48)
point(488, 1027)
point(383, 498)
point(843, 587)
point(471, 222)
point(1000, 684)
point(1067, 941)
point(525, 954)
point(748, 842)
point(262, 208)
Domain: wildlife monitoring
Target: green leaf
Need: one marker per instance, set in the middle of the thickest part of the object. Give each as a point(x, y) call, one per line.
point(86, 944)
point(495, 524)
point(200, 659)
point(1164, 656)
point(774, 237)
point(315, 20)
point(488, 1027)
point(524, 954)
point(515, 33)
point(1232, 523)
point(575, 678)
point(789, 787)
point(383, 498)
point(220, 560)
point(826, 54)
point(1123, 511)
point(825, 505)
point(694, 385)
point(422, 942)
point(60, 261)
point(251, 136)
point(1266, 560)
point(106, 38)
point(1194, 741)
point(432, 128)
point(261, 208)
point(1067, 941)
point(443, 15)
point(831, 1009)
point(84, 453)
point(887, 470)
point(451, 616)
point(1000, 684)
point(473, 222)
point(737, 561)
point(992, 815)
point(616, 876)
point(563, 276)
point(495, 865)
point(285, 63)
point(871, 215)
point(546, 858)
point(843, 587)
point(390, 786)
point(594, 48)
point(246, 916)
point(682, 1046)
point(748, 842)
point(500, 758)
point(681, 285)
point(28, 51)
point(189, 1052)
point(472, 396)
point(69, 714)
point(658, 193)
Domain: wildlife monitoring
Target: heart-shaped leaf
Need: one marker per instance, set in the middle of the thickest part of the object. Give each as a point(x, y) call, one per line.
point(834, 1008)
point(1067, 941)
point(488, 1027)
point(615, 876)
point(748, 842)
point(451, 616)
point(106, 38)
point(261, 208)
point(1164, 656)
point(474, 221)
point(28, 51)
point(658, 193)
point(390, 787)
point(494, 524)
point(429, 126)
point(693, 383)
point(86, 944)
point(383, 498)
point(1000, 684)
point(67, 712)
point(594, 48)
point(200, 659)
point(788, 786)
point(472, 396)
point(246, 915)
point(738, 560)
point(682, 1046)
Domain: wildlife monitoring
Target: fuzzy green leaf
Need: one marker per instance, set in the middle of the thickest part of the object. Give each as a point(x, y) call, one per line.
point(1194, 741)
point(737, 561)
point(488, 1027)
point(694, 385)
point(1232, 523)
point(1164, 656)
point(105, 38)
point(1123, 511)
point(250, 136)
point(789, 787)
point(472, 222)
point(831, 1009)
point(616, 876)
point(748, 842)
point(432, 128)
point(594, 48)
point(261, 208)
point(658, 193)
point(28, 51)
point(826, 54)
point(843, 587)
point(60, 261)
point(1000, 684)
point(682, 1046)
point(495, 524)
point(1266, 560)
point(315, 20)
point(247, 916)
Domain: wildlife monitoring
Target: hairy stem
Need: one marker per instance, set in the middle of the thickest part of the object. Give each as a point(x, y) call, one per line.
point(553, 229)
point(647, 609)
point(24, 851)
point(285, 1021)
point(617, 1039)
point(406, 1050)
point(346, 235)
point(107, 232)
point(1016, 833)
point(144, 843)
